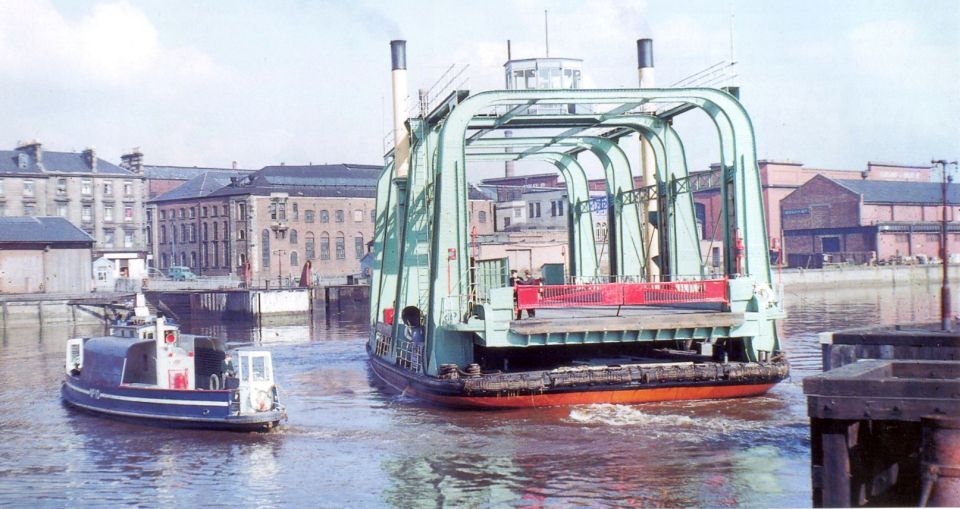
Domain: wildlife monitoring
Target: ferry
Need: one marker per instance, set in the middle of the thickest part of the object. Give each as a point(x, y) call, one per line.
point(147, 371)
point(659, 322)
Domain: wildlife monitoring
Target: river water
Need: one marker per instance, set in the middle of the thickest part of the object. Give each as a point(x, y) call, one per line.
point(348, 443)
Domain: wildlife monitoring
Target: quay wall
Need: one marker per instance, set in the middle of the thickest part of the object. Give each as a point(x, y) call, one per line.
point(50, 312)
point(886, 275)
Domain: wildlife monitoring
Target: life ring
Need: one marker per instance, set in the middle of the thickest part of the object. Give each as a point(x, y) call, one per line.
point(214, 382)
point(260, 401)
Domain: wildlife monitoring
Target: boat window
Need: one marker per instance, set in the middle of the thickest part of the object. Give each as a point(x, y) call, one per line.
point(258, 369)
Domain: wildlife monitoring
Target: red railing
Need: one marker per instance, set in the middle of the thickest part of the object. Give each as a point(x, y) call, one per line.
point(621, 294)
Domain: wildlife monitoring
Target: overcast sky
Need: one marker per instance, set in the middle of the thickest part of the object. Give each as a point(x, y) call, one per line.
point(831, 84)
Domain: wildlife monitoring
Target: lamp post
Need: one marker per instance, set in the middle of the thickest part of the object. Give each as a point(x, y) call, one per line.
point(945, 304)
point(280, 253)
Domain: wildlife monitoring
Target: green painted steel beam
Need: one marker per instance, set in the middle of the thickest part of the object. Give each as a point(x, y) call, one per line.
point(582, 249)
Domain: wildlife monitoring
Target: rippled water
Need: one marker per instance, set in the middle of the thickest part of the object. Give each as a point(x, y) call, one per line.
point(347, 443)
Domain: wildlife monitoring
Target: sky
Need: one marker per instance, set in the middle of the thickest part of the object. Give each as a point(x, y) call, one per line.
point(206, 83)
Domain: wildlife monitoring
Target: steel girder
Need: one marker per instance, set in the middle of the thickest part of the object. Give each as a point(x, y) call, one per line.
point(581, 242)
point(625, 236)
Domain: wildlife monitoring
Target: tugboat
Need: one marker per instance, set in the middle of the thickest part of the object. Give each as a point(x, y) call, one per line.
point(148, 371)
point(660, 322)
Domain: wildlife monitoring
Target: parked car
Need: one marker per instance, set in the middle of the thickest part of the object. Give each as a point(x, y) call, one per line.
point(179, 273)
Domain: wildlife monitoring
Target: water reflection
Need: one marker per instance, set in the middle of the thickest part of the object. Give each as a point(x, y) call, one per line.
point(349, 443)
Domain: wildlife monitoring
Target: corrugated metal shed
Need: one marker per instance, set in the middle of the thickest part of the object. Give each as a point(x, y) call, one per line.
point(40, 229)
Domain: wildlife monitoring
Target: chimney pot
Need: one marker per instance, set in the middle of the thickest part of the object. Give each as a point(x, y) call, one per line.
point(90, 157)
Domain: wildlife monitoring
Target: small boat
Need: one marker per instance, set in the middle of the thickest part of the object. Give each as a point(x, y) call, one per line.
point(148, 371)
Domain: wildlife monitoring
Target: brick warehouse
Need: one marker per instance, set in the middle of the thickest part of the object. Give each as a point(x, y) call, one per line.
point(860, 221)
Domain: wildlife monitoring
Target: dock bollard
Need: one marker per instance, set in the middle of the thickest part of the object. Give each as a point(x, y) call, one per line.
point(940, 461)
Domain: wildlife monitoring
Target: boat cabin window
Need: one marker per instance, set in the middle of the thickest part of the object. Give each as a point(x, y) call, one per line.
point(259, 372)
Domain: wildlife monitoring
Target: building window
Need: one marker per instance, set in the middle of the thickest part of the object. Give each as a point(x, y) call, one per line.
point(338, 216)
point(357, 216)
point(183, 258)
point(183, 213)
point(830, 244)
point(203, 212)
point(324, 246)
point(204, 232)
point(163, 234)
point(296, 213)
point(193, 259)
point(86, 213)
point(173, 234)
point(108, 213)
point(127, 238)
point(341, 247)
point(265, 249)
point(163, 215)
point(294, 259)
point(506, 222)
point(293, 236)
point(205, 255)
point(28, 209)
point(184, 234)
point(216, 252)
point(108, 238)
point(224, 214)
point(533, 210)
point(128, 188)
point(310, 246)
point(483, 216)
point(213, 211)
point(108, 188)
point(358, 245)
point(163, 261)
point(324, 216)
point(86, 187)
point(308, 216)
point(128, 213)
point(62, 209)
point(241, 234)
point(28, 188)
point(225, 234)
point(193, 212)
point(373, 215)
point(242, 211)
point(61, 186)
point(149, 235)
point(193, 232)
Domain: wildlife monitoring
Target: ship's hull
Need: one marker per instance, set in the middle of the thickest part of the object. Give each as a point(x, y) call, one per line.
point(199, 409)
point(543, 388)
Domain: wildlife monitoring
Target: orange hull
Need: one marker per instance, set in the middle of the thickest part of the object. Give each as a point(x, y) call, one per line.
point(613, 396)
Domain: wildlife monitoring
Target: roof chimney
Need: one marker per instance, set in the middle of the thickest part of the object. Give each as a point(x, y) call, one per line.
point(234, 165)
point(34, 149)
point(90, 157)
point(133, 161)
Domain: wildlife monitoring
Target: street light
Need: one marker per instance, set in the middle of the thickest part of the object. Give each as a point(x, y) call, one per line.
point(945, 304)
point(280, 253)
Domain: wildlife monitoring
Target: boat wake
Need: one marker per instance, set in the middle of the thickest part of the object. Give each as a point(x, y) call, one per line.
point(694, 427)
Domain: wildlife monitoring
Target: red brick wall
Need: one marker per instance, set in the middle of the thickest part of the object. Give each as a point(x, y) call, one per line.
point(820, 203)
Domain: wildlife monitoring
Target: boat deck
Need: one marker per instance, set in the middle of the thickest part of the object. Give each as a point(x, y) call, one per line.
point(598, 319)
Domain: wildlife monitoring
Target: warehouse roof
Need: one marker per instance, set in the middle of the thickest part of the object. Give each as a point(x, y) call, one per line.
point(889, 191)
point(40, 229)
point(201, 185)
point(154, 172)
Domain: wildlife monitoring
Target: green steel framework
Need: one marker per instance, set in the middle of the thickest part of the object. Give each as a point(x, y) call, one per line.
point(421, 237)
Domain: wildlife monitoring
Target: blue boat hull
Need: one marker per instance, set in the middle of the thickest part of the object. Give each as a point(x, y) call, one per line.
point(199, 409)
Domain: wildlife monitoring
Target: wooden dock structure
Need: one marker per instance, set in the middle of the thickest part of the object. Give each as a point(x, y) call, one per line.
point(882, 391)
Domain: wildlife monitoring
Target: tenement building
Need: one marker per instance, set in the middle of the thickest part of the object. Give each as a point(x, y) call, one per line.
point(267, 225)
point(102, 199)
